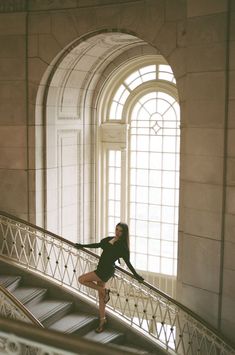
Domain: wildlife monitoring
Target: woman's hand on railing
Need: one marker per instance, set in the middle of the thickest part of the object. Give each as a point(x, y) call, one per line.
point(78, 246)
point(139, 278)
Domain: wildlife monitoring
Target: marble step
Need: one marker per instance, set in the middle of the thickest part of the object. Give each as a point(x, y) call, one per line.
point(29, 294)
point(49, 311)
point(10, 282)
point(107, 336)
point(76, 323)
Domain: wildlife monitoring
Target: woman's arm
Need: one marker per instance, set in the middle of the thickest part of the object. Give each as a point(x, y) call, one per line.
point(92, 245)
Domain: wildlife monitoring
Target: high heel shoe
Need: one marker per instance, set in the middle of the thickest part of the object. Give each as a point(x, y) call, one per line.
point(101, 327)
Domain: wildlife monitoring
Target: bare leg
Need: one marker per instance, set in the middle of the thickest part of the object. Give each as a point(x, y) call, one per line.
point(101, 300)
point(93, 281)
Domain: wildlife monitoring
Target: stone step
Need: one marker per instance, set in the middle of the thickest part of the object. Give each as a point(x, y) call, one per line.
point(49, 311)
point(29, 294)
point(76, 323)
point(107, 336)
point(10, 282)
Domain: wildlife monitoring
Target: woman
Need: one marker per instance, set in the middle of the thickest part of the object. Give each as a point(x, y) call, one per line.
point(113, 249)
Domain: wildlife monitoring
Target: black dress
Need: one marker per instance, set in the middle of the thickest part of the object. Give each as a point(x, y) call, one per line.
point(111, 253)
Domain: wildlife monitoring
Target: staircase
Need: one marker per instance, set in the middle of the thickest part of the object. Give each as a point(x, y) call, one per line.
point(59, 310)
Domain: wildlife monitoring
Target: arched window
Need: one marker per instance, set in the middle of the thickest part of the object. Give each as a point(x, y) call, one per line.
point(140, 162)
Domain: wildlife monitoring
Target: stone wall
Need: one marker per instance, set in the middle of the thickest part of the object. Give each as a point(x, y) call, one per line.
point(196, 37)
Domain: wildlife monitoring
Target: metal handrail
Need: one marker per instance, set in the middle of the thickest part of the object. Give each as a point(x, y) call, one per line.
point(23, 312)
point(171, 321)
point(19, 335)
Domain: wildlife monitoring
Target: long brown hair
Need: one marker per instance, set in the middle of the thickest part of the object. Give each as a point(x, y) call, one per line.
point(125, 238)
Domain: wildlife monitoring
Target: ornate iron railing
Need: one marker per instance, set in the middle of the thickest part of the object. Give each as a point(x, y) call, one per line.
point(17, 338)
point(11, 308)
point(147, 309)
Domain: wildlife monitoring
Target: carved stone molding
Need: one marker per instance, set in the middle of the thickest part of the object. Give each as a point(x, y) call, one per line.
point(114, 132)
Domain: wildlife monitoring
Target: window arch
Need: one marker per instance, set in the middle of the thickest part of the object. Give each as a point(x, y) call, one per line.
point(140, 161)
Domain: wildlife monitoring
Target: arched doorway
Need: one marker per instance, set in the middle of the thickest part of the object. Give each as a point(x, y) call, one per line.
point(80, 91)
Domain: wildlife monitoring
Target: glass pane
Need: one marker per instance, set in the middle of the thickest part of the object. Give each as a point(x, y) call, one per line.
point(151, 106)
point(111, 208)
point(141, 245)
point(148, 69)
point(168, 197)
point(112, 115)
point(141, 228)
point(141, 262)
point(167, 266)
point(119, 109)
point(135, 83)
point(154, 247)
point(168, 214)
point(141, 211)
point(143, 143)
point(155, 178)
point(155, 213)
point(124, 96)
point(155, 195)
point(169, 144)
point(141, 194)
point(154, 264)
point(142, 177)
point(162, 106)
point(132, 77)
point(155, 142)
point(111, 191)
point(166, 76)
point(142, 160)
point(168, 231)
point(148, 77)
point(168, 161)
point(119, 92)
point(155, 160)
point(154, 230)
point(167, 249)
point(165, 67)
